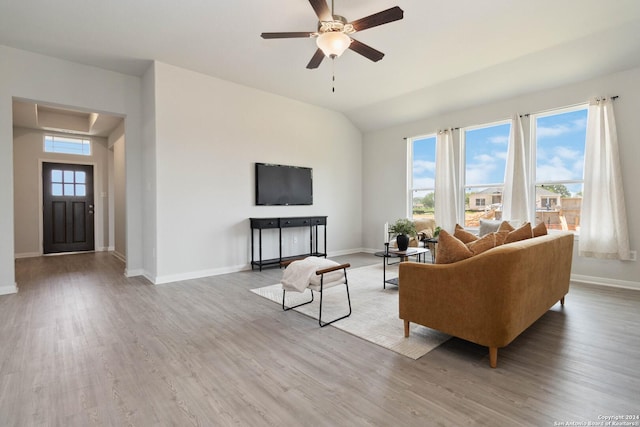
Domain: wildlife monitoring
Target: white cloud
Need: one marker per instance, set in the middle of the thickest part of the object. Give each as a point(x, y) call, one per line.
point(422, 166)
point(499, 139)
point(566, 153)
point(424, 183)
point(557, 130)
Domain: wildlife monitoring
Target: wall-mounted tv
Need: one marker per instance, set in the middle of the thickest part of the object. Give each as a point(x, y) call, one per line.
point(283, 185)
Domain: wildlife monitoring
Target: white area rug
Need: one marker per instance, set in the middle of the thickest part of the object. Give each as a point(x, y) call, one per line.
point(374, 314)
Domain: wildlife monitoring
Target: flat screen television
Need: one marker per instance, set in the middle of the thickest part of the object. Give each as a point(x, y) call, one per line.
point(283, 185)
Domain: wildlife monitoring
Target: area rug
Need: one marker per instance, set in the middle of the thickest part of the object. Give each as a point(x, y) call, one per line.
point(374, 311)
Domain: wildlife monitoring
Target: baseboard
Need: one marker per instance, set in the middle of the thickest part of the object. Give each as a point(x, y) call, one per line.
point(6, 290)
point(27, 255)
point(159, 280)
point(345, 252)
point(603, 281)
point(135, 272)
point(118, 255)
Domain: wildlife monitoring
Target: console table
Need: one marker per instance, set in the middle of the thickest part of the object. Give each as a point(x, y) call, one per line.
point(312, 222)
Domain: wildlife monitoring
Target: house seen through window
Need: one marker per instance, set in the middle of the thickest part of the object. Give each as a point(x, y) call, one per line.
point(423, 167)
point(485, 160)
point(560, 138)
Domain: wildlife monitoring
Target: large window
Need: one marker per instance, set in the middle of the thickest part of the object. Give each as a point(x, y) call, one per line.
point(485, 154)
point(423, 166)
point(67, 145)
point(560, 138)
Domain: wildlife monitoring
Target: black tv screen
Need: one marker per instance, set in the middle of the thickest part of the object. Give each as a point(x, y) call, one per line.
point(283, 185)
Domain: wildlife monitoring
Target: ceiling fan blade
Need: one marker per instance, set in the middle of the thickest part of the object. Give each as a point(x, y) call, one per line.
point(316, 59)
point(384, 17)
point(286, 35)
point(365, 50)
point(321, 9)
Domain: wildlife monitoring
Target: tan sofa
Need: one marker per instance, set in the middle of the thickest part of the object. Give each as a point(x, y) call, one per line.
point(491, 298)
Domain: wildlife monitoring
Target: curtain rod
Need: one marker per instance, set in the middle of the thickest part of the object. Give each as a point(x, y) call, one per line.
point(613, 98)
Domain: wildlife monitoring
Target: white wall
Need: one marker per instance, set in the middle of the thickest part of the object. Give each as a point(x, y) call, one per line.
point(28, 155)
point(40, 78)
point(385, 196)
point(209, 135)
point(117, 192)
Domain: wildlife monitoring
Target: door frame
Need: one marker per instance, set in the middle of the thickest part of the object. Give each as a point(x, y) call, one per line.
point(97, 202)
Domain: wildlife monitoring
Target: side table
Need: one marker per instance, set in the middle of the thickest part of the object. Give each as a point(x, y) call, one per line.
point(403, 255)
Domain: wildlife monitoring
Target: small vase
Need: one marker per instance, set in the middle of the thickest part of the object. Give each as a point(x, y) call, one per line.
point(403, 242)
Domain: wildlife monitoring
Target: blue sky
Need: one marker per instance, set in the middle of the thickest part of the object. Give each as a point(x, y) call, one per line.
point(560, 152)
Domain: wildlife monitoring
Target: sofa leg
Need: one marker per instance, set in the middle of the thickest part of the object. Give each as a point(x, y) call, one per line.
point(406, 328)
point(562, 301)
point(493, 356)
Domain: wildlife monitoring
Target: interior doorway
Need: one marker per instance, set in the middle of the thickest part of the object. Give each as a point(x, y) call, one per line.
point(68, 208)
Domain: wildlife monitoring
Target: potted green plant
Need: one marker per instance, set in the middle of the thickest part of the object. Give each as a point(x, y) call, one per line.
point(403, 229)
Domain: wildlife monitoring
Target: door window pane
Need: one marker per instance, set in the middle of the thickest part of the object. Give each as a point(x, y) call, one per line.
point(56, 175)
point(68, 190)
point(81, 190)
point(56, 189)
point(81, 177)
point(68, 176)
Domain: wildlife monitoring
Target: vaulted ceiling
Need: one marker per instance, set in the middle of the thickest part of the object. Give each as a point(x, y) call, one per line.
point(443, 55)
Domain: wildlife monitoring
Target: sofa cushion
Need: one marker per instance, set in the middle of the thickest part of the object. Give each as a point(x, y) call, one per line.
point(451, 249)
point(488, 226)
point(500, 237)
point(540, 230)
point(484, 243)
point(505, 226)
point(518, 234)
point(463, 235)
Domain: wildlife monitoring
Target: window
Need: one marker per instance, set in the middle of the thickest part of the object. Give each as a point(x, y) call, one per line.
point(67, 145)
point(68, 183)
point(560, 138)
point(485, 154)
point(423, 167)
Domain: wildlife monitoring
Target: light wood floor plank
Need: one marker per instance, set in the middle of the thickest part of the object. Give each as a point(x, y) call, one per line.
point(81, 344)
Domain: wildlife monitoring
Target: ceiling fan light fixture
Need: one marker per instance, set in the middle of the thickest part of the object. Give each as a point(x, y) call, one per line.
point(333, 43)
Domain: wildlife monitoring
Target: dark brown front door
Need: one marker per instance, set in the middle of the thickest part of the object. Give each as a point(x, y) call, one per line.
point(67, 191)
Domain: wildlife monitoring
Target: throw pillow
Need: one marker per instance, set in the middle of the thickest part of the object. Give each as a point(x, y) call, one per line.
point(540, 230)
point(521, 233)
point(451, 249)
point(483, 244)
point(463, 235)
point(488, 226)
point(505, 226)
point(500, 237)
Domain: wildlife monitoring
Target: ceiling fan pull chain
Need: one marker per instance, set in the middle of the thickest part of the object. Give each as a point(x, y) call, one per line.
point(333, 74)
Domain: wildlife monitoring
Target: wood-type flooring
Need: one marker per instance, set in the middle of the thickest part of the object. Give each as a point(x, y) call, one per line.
point(83, 345)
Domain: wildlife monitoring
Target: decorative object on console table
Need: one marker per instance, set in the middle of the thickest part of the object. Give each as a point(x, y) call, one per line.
point(403, 229)
point(283, 223)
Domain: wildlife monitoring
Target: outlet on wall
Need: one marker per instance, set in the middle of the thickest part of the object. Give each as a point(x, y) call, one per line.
point(634, 255)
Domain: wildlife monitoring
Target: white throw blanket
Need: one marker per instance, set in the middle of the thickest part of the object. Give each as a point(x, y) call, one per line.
point(297, 275)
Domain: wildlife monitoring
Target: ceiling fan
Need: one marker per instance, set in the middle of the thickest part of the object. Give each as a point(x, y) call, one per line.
point(334, 32)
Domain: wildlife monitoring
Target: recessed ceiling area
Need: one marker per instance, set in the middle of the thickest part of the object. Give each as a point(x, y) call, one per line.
point(65, 120)
point(441, 56)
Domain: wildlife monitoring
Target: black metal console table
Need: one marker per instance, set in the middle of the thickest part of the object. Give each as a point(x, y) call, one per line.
point(287, 222)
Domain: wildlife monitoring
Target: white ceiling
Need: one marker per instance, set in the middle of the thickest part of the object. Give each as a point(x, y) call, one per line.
point(493, 49)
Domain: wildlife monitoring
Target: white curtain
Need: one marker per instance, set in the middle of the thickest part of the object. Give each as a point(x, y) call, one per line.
point(515, 198)
point(603, 225)
point(446, 191)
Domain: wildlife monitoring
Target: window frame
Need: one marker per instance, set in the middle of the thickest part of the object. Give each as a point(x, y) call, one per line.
point(54, 136)
point(463, 169)
point(533, 163)
point(410, 175)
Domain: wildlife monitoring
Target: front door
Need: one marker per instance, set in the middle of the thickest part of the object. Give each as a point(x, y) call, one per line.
point(67, 192)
